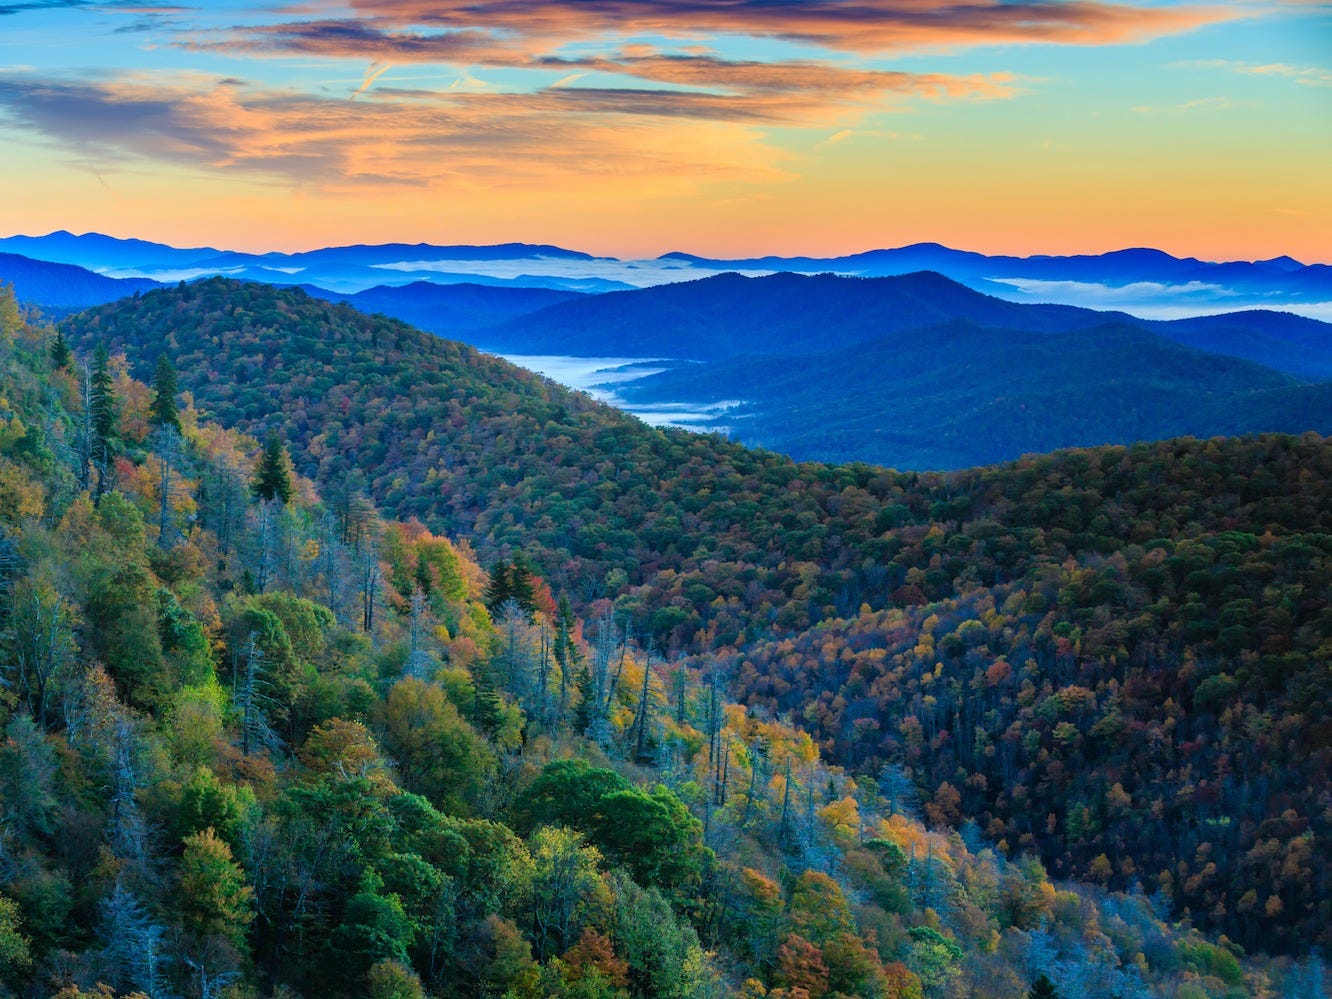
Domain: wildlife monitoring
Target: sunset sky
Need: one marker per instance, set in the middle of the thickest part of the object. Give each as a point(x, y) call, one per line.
point(635, 127)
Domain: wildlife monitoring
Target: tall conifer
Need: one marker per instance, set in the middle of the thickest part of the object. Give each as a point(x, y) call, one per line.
point(272, 480)
point(163, 411)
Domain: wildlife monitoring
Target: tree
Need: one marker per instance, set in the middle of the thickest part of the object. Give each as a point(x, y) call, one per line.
point(438, 753)
point(40, 643)
point(565, 649)
point(374, 928)
point(29, 804)
point(131, 955)
point(497, 591)
point(565, 884)
point(163, 411)
point(522, 585)
point(390, 979)
point(166, 444)
point(62, 358)
point(11, 317)
point(214, 898)
point(1043, 988)
point(15, 954)
point(272, 479)
point(104, 411)
point(566, 793)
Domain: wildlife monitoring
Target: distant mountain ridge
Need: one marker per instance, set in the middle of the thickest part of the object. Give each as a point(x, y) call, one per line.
point(345, 269)
point(454, 310)
point(1279, 275)
point(60, 288)
point(786, 314)
point(1142, 280)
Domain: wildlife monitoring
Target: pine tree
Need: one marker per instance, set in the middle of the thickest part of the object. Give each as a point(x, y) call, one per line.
point(104, 409)
point(563, 647)
point(585, 711)
point(1043, 988)
point(163, 411)
point(498, 591)
point(272, 480)
point(522, 588)
point(487, 708)
point(62, 358)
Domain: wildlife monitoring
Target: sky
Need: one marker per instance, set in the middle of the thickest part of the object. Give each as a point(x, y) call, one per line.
point(637, 127)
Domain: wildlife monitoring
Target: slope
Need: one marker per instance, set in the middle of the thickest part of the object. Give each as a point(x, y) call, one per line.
point(381, 820)
point(730, 315)
point(1156, 611)
point(955, 395)
point(794, 314)
point(451, 310)
point(58, 288)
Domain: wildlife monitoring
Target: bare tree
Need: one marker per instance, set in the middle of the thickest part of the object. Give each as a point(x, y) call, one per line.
point(40, 642)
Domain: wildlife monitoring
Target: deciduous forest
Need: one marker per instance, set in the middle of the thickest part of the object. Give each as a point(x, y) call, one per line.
point(338, 659)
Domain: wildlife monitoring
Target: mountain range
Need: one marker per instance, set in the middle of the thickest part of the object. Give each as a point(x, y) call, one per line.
point(918, 371)
point(1143, 281)
point(911, 371)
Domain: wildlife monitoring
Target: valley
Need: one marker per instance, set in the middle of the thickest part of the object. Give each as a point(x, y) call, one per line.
point(1096, 674)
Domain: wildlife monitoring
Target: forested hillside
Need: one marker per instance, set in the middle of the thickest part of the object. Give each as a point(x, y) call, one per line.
point(957, 395)
point(256, 744)
point(1115, 657)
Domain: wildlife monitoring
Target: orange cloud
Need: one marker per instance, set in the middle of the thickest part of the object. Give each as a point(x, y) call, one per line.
point(864, 26)
point(567, 138)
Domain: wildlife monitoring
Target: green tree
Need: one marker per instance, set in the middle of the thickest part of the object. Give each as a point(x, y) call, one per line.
point(438, 753)
point(374, 928)
point(498, 590)
point(62, 357)
point(654, 836)
point(392, 980)
point(522, 583)
point(15, 954)
point(565, 886)
point(272, 479)
point(214, 898)
point(104, 409)
point(564, 648)
point(566, 793)
point(163, 411)
point(1043, 988)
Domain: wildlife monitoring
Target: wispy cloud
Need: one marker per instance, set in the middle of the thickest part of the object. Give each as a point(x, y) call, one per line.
point(579, 137)
point(798, 91)
point(19, 8)
point(1309, 76)
point(374, 74)
point(849, 25)
point(1201, 104)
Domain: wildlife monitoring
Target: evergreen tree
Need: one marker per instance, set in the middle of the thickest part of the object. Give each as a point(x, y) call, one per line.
point(585, 711)
point(272, 480)
point(564, 649)
point(104, 410)
point(522, 587)
point(487, 708)
point(62, 358)
point(1043, 988)
point(163, 411)
point(498, 590)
